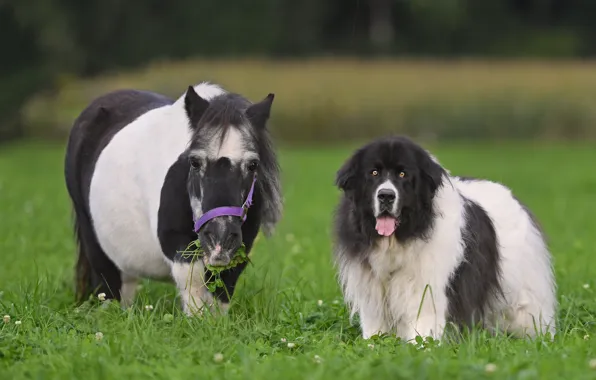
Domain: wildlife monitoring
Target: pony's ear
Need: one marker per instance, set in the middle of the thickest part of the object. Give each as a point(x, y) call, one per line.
point(195, 106)
point(258, 113)
point(348, 173)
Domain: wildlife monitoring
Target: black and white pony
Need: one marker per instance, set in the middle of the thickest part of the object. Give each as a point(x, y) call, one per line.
point(141, 169)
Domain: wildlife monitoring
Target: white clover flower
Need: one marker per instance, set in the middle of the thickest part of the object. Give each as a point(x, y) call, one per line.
point(283, 340)
point(98, 335)
point(218, 358)
point(320, 302)
point(291, 345)
point(6, 319)
point(490, 368)
point(317, 359)
point(586, 337)
point(101, 296)
point(18, 323)
point(148, 307)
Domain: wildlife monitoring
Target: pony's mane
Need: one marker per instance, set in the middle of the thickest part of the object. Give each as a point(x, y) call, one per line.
point(225, 111)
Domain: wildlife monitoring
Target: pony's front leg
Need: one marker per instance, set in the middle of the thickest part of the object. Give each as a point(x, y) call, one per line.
point(190, 280)
point(223, 294)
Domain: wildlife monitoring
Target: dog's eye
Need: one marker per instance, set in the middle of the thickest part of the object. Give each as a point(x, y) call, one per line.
point(374, 173)
point(253, 165)
point(195, 163)
point(402, 174)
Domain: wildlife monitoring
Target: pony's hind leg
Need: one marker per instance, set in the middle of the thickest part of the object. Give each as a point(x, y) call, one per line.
point(95, 272)
point(128, 290)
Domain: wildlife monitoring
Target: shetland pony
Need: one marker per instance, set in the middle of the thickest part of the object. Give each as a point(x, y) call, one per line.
point(148, 175)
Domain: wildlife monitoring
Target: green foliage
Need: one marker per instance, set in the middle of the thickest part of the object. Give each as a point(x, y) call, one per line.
point(194, 251)
point(276, 327)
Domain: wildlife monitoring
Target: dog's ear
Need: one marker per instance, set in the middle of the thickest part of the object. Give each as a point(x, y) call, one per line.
point(432, 172)
point(348, 173)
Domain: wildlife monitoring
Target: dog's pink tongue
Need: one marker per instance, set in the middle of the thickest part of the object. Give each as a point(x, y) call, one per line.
point(385, 225)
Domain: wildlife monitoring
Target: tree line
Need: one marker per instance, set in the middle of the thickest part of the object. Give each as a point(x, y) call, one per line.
point(41, 40)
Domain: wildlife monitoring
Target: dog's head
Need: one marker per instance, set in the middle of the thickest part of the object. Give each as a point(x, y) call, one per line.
point(391, 183)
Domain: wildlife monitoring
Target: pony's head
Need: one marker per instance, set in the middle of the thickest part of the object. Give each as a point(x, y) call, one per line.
point(231, 160)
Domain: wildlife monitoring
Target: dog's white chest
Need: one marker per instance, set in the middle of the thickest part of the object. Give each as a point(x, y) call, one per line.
point(387, 259)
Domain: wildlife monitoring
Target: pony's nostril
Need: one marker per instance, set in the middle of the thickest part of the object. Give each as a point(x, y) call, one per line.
point(232, 240)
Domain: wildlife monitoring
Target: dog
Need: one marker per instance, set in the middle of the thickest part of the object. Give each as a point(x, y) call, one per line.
point(417, 249)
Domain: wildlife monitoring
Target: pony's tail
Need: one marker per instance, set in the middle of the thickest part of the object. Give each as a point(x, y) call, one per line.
point(84, 284)
point(94, 272)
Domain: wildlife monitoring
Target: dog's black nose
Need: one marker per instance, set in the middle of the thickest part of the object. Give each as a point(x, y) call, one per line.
point(386, 196)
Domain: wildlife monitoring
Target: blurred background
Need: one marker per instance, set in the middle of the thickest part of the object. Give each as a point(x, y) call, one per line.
point(340, 69)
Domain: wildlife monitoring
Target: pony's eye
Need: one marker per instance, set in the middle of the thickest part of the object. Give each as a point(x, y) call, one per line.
point(375, 173)
point(402, 174)
point(195, 163)
point(253, 166)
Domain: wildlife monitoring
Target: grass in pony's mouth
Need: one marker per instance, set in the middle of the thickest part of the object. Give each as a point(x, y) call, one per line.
point(195, 251)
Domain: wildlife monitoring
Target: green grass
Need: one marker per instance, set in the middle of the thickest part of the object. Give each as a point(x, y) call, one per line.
point(277, 301)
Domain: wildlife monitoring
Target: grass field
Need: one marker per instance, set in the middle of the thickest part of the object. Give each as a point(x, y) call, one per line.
point(287, 320)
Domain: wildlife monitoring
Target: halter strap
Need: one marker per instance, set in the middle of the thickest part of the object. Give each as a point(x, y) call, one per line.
point(228, 210)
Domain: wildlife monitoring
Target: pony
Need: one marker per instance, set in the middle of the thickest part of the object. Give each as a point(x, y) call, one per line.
point(148, 175)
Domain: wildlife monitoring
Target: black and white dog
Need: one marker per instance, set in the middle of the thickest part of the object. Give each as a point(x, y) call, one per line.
point(417, 248)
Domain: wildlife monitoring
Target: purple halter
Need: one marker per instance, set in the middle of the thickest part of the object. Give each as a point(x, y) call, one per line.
point(228, 210)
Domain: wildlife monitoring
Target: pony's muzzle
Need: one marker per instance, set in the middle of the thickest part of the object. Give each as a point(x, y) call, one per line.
point(221, 237)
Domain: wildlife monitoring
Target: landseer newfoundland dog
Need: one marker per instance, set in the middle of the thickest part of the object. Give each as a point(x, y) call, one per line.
point(418, 249)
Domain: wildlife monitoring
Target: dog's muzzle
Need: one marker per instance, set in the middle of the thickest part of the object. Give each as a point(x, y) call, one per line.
point(386, 198)
point(386, 220)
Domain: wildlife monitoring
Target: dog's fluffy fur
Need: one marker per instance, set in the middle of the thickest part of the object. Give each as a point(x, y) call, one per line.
point(463, 251)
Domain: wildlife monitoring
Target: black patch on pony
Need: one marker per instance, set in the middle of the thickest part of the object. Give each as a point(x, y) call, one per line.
point(476, 281)
point(91, 133)
point(354, 217)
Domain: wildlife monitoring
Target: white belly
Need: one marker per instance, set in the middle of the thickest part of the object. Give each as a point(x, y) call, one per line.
point(123, 227)
point(126, 188)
